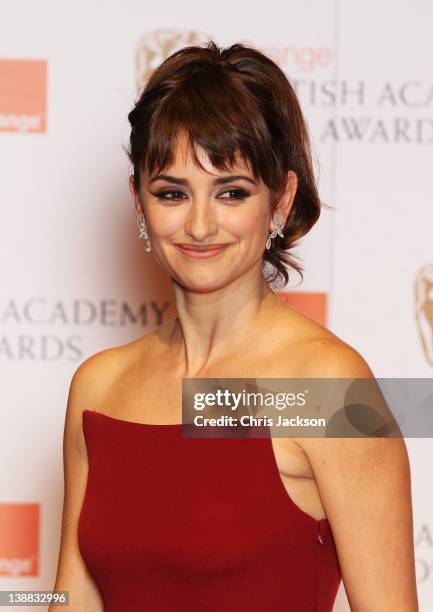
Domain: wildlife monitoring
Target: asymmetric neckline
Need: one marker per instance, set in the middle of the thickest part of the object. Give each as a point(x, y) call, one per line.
point(151, 495)
point(267, 441)
point(107, 416)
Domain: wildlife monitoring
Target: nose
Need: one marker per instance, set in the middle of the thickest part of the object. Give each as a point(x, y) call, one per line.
point(201, 223)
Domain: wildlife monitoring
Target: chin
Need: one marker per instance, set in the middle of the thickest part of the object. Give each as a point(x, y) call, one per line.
point(202, 285)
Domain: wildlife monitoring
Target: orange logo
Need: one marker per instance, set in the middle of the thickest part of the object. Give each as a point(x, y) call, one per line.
point(23, 85)
point(19, 539)
point(312, 304)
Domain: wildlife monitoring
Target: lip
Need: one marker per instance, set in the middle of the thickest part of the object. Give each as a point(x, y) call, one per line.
point(201, 252)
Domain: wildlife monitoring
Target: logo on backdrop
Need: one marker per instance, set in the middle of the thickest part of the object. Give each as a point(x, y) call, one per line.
point(40, 329)
point(23, 84)
point(155, 46)
point(368, 112)
point(424, 309)
point(424, 554)
point(19, 539)
point(403, 106)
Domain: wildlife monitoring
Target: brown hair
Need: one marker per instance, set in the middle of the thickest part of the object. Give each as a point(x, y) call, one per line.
point(229, 100)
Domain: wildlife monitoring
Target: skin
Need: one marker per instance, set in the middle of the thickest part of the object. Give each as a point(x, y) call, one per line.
point(361, 485)
point(218, 298)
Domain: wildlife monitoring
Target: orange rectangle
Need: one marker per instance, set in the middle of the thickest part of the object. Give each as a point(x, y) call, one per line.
point(23, 95)
point(313, 304)
point(19, 539)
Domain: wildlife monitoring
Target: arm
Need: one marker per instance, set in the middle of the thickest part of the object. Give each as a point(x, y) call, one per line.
point(365, 488)
point(72, 573)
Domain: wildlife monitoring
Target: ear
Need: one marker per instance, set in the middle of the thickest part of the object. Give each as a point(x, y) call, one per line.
point(135, 196)
point(286, 199)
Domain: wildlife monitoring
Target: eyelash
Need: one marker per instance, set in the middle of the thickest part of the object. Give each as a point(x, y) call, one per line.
point(242, 194)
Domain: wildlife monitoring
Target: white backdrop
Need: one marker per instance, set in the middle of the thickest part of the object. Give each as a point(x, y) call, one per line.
point(75, 277)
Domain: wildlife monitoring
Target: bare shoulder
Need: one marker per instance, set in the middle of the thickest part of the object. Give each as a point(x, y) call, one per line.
point(322, 354)
point(96, 377)
point(319, 352)
point(331, 357)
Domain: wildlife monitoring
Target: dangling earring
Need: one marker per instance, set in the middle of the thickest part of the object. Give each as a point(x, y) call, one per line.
point(278, 230)
point(142, 232)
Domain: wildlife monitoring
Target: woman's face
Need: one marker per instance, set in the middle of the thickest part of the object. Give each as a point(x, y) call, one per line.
point(188, 207)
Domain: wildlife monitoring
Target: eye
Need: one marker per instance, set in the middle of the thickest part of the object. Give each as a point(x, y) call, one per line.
point(174, 195)
point(163, 195)
point(240, 194)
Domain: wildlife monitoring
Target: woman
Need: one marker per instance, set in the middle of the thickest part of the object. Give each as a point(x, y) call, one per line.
point(223, 184)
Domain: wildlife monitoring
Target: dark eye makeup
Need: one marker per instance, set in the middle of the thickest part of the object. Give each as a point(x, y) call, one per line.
point(163, 194)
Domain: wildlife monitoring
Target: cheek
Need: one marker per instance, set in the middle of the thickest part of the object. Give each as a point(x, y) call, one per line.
point(165, 222)
point(250, 224)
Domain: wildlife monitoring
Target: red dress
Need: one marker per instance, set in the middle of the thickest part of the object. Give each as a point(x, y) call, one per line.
point(177, 524)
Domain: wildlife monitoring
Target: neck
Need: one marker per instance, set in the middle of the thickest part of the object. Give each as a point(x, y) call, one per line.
point(215, 324)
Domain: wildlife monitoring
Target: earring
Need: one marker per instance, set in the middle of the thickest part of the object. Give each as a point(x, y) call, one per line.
point(142, 232)
point(278, 230)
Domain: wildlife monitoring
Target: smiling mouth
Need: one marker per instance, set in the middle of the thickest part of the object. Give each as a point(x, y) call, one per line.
point(201, 250)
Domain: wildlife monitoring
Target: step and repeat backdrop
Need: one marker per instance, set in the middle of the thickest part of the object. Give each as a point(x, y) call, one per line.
point(75, 278)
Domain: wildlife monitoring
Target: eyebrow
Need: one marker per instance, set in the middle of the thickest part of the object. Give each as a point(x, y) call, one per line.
point(218, 181)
